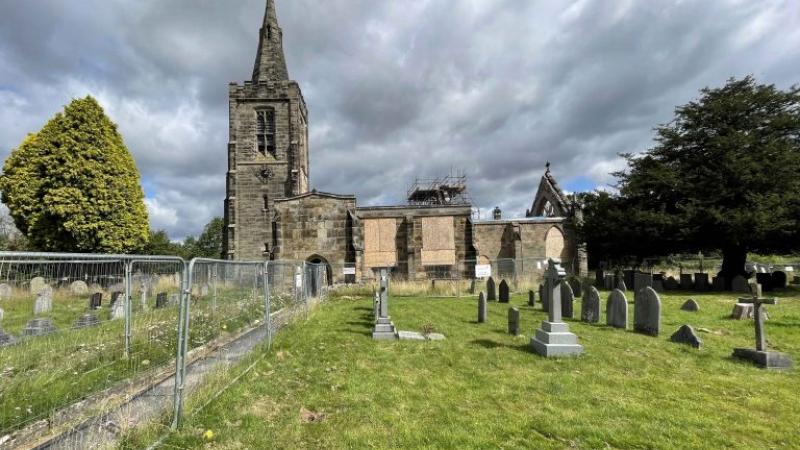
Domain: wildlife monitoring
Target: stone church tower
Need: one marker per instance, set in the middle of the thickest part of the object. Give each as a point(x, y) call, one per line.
point(267, 150)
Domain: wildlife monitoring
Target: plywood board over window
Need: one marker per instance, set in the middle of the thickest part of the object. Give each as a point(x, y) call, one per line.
point(438, 241)
point(380, 249)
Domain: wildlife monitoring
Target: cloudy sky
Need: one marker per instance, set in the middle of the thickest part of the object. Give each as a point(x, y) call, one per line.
point(396, 89)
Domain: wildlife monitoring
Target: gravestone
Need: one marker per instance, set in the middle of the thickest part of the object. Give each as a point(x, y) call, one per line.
point(647, 312)
point(5, 291)
point(608, 282)
point(531, 298)
point(687, 283)
point(701, 282)
point(491, 294)
point(553, 338)
point(617, 310)
point(590, 305)
point(114, 297)
point(39, 326)
point(739, 284)
point(599, 278)
point(686, 335)
point(567, 301)
point(543, 298)
point(642, 280)
point(779, 280)
point(575, 284)
point(621, 285)
point(96, 300)
point(145, 290)
point(86, 321)
point(658, 282)
point(690, 305)
point(629, 276)
point(482, 308)
point(671, 284)
point(44, 301)
point(513, 321)
point(472, 286)
point(37, 284)
point(78, 287)
point(161, 300)
point(118, 308)
point(765, 280)
point(742, 311)
point(503, 292)
point(384, 328)
point(760, 355)
point(6, 339)
point(718, 283)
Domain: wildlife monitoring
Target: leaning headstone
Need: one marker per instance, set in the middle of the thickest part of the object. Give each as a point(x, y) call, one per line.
point(531, 298)
point(5, 291)
point(671, 284)
point(37, 284)
point(86, 321)
point(742, 311)
point(96, 300)
point(39, 326)
point(642, 280)
point(686, 335)
point(765, 280)
point(161, 300)
point(701, 283)
point(491, 293)
point(621, 285)
point(779, 279)
point(687, 283)
point(78, 287)
point(690, 305)
point(504, 297)
point(739, 284)
point(44, 301)
point(718, 283)
point(575, 284)
point(617, 310)
point(647, 312)
point(553, 338)
point(513, 321)
point(567, 301)
point(590, 305)
point(482, 308)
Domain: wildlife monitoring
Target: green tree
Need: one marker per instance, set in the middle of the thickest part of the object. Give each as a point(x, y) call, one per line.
point(724, 175)
point(209, 243)
point(160, 244)
point(73, 186)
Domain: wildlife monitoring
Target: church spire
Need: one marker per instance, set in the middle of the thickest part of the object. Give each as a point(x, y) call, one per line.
point(270, 62)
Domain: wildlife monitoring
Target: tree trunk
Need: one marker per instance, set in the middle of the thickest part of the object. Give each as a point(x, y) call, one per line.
point(733, 261)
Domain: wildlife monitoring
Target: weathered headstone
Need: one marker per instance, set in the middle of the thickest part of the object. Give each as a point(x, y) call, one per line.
point(671, 284)
point(567, 301)
point(114, 297)
point(491, 293)
point(658, 282)
point(575, 284)
point(779, 279)
point(39, 326)
point(599, 278)
point(531, 298)
point(687, 283)
point(617, 310)
point(590, 305)
point(37, 284)
point(96, 300)
point(701, 283)
point(621, 285)
point(647, 312)
point(543, 298)
point(118, 308)
point(79, 287)
point(482, 308)
point(161, 300)
point(765, 280)
point(760, 355)
point(384, 328)
point(690, 305)
point(608, 282)
point(504, 295)
point(739, 284)
point(44, 301)
point(5, 291)
point(642, 280)
point(718, 283)
point(553, 338)
point(686, 335)
point(742, 311)
point(513, 321)
point(629, 276)
point(86, 321)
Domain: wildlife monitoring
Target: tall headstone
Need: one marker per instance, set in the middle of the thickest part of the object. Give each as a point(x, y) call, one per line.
point(44, 301)
point(96, 300)
point(384, 328)
point(491, 293)
point(567, 301)
point(739, 284)
point(504, 295)
point(647, 312)
point(513, 321)
point(617, 310)
point(78, 287)
point(37, 284)
point(701, 283)
point(482, 308)
point(5, 291)
point(779, 279)
point(531, 298)
point(590, 305)
point(687, 283)
point(642, 280)
point(553, 338)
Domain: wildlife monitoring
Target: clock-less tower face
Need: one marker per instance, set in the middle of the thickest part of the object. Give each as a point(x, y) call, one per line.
point(268, 147)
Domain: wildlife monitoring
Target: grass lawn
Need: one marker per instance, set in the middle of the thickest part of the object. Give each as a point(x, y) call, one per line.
point(327, 384)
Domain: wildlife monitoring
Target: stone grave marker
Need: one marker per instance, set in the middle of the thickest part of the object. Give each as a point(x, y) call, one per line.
point(760, 355)
point(96, 301)
point(701, 283)
point(647, 312)
point(718, 283)
point(118, 308)
point(5, 339)
point(642, 280)
point(384, 328)
point(779, 279)
point(145, 290)
point(513, 321)
point(621, 285)
point(742, 311)
point(590, 305)
point(553, 338)
point(608, 282)
point(617, 310)
point(543, 298)
point(686, 335)
point(599, 278)
point(37, 284)
point(671, 284)
point(161, 300)
point(39, 326)
point(44, 301)
point(765, 280)
point(491, 293)
point(690, 305)
point(739, 284)
point(114, 297)
point(531, 298)
point(472, 286)
point(687, 283)
point(87, 320)
point(78, 287)
point(504, 296)
point(567, 301)
point(575, 284)
point(658, 282)
point(5, 291)
point(482, 308)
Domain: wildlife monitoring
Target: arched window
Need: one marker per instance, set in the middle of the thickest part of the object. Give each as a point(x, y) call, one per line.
point(554, 244)
point(265, 131)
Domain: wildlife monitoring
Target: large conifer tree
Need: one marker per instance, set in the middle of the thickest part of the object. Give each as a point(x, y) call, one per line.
point(73, 186)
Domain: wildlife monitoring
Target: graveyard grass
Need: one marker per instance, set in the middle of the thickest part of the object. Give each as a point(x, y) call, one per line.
point(327, 384)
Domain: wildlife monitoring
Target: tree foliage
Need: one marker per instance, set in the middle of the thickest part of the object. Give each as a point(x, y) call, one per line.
point(724, 175)
point(207, 245)
point(73, 186)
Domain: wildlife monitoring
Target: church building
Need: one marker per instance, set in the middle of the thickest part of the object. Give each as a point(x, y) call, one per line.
point(272, 213)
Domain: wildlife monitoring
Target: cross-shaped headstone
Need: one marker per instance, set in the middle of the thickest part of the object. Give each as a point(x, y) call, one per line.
point(758, 301)
point(553, 277)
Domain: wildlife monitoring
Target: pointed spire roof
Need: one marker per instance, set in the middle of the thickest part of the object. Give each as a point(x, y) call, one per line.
point(270, 61)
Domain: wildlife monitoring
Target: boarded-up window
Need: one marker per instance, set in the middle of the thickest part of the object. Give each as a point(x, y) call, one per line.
point(438, 241)
point(380, 249)
point(554, 244)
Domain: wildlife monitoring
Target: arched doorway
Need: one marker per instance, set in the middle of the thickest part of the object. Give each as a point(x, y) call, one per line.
point(316, 276)
point(554, 244)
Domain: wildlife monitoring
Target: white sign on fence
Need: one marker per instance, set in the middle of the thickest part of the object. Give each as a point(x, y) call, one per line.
point(349, 271)
point(483, 270)
point(789, 269)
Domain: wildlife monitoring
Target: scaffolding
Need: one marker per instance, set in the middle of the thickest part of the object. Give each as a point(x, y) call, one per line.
point(448, 190)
